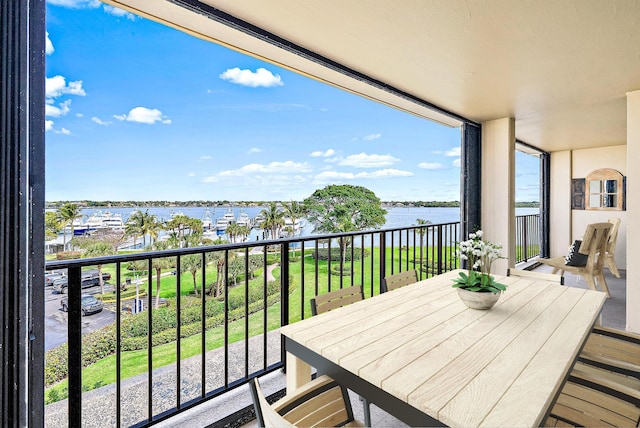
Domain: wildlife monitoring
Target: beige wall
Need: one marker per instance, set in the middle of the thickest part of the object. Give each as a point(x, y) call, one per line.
point(633, 211)
point(584, 162)
point(498, 188)
point(560, 204)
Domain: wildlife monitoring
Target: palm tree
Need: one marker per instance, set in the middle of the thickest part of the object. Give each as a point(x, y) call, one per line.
point(67, 214)
point(233, 230)
point(244, 232)
point(159, 264)
point(294, 211)
point(422, 231)
point(100, 249)
point(191, 264)
point(149, 225)
point(273, 219)
point(134, 226)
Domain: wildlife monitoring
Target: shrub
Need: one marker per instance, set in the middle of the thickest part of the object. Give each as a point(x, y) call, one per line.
point(134, 331)
point(68, 255)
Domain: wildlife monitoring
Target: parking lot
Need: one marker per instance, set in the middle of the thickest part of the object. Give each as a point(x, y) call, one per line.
point(56, 320)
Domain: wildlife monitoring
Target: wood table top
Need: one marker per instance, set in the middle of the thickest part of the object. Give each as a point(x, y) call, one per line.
point(463, 367)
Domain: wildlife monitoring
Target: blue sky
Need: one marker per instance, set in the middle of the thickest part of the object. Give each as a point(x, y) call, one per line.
point(139, 111)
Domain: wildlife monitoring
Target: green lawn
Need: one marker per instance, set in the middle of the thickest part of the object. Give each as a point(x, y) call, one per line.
point(135, 362)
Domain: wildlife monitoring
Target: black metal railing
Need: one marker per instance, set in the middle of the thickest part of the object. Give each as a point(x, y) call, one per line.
point(527, 237)
point(167, 359)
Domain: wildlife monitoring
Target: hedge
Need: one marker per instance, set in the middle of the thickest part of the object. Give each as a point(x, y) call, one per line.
point(134, 332)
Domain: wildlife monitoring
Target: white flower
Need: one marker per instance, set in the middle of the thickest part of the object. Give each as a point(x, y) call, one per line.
point(479, 234)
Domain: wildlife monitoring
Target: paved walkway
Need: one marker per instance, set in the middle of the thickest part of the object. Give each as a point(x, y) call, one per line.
point(99, 405)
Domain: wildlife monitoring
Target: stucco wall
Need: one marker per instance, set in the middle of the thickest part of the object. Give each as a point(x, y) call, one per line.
point(584, 162)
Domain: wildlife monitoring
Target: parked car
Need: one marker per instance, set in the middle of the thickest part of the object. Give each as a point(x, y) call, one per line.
point(90, 305)
point(90, 278)
point(50, 277)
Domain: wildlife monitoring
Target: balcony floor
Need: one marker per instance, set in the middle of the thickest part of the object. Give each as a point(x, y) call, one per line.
point(614, 312)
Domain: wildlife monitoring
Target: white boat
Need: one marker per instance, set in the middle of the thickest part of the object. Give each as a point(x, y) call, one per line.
point(243, 219)
point(207, 220)
point(291, 228)
point(98, 221)
point(223, 222)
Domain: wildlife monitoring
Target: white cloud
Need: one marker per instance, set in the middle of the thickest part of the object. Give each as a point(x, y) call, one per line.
point(76, 4)
point(64, 131)
point(456, 163)
point(363, 160)
point(191, 174)
point(48, 45)
point(100, 121)
point(326, 153)
point(429, 165)
point(57, 111)
point(371, 137)
point(205, 157)
point(48, 125)
point(328, 176)
point(263, 172)
point(56, 86)
point(144, 115)
point(254, 150)
point(111, 10)
point(453, 152)
point(261, 77)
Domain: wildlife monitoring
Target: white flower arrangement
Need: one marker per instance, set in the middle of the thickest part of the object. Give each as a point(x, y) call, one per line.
point(479, 255)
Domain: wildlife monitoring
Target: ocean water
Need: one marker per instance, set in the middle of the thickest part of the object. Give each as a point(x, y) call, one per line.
point(396, 217)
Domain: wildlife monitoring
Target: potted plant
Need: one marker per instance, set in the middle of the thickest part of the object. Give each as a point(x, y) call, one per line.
point(477, 288)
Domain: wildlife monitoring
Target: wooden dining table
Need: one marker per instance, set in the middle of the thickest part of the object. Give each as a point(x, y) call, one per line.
point(421, 355)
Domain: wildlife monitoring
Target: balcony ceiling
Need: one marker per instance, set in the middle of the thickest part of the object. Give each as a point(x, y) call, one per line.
point(561, 68)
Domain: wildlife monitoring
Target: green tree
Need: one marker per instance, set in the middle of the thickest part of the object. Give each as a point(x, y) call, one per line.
point(100, 249)
point(294, 210)
point(273, 220)
point(422, 232)
point(344, 208)
point(191, 263)
point(160, 263)
point(149, 225)
point(133, 226)
point(52, 225)
point(67, 214)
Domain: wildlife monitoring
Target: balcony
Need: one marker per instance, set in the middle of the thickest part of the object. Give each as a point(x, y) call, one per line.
point(240, 318)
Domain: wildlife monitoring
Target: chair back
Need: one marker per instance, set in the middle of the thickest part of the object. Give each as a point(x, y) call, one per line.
point(595, 241)
point(322, 403)
point(265, 414)
point(550, 277)
point(397, 280)
point(613, 236)
point(336, 299)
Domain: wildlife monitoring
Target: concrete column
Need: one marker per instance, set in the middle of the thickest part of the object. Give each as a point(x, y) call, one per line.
point(498, 188)
point(560, 204)
point(633, 208)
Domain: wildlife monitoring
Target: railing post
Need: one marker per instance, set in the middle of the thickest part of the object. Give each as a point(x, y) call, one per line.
point(525, 226)
point(74, 290)
point(439, 249)
point(383, 259)
point(284, 296)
